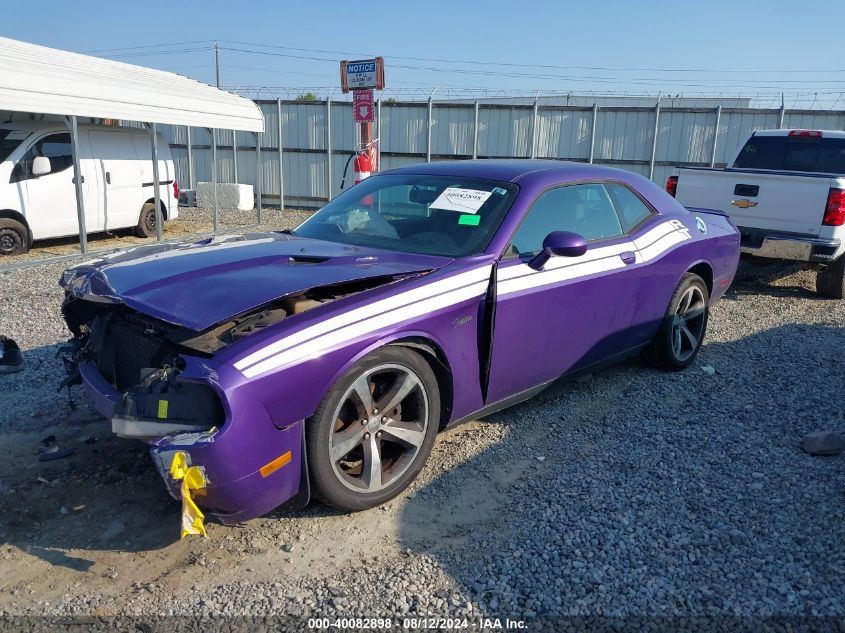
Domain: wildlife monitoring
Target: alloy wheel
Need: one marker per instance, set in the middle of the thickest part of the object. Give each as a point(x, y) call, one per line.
point(379, 428)
point(688, 323)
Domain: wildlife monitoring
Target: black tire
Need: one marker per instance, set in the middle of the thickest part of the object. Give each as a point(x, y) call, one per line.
point(14, 237)
point(830, 282)
point(664, 351)
point(346, 482)
point(147, 221)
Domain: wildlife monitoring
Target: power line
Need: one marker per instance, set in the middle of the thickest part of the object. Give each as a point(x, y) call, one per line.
point(133, 48)
point(642, 81)
point(169, 52)
point(549, 66)
point(473, 61)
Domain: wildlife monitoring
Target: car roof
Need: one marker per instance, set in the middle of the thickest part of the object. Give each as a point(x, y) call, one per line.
point(509, 170)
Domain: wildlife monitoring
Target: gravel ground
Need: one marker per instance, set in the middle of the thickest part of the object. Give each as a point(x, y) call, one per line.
point(191, 221)
point(632, 494)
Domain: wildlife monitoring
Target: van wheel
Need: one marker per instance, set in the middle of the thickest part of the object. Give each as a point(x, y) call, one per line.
point(147, 221)
point(14, 237)
point(830, 282)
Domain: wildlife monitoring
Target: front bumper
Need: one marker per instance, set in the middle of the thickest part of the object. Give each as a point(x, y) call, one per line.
point(233, 458)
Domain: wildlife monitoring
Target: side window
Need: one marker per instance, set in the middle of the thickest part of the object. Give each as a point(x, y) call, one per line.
point(631, 209)
point(56, 147)
point(583, 209)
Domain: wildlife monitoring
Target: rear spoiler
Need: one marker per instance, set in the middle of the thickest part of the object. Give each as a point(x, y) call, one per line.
point(707, 211)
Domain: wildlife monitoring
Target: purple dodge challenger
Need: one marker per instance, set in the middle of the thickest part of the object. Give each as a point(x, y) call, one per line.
point(324, 360)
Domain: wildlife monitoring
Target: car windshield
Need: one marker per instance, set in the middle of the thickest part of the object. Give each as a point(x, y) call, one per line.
point(431, 215)
point(7, 146)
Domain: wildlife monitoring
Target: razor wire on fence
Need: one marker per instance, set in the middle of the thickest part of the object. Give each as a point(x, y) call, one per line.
point(302, 159)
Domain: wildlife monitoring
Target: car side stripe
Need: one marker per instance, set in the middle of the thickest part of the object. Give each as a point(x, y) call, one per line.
point(318, 346)
point(653, 244)
point(366, 312)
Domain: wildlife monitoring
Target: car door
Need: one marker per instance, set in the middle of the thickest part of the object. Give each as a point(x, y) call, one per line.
point(50, 204)
point(119, 177)
point(572, 312)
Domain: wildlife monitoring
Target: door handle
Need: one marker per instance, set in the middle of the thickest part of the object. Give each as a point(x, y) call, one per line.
point(629, 257)
point(81, 179)
point(108, 177)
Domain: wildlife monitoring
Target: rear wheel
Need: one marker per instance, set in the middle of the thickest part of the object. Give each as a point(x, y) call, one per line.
point(374, 430)
point(681, 333)
point(14, 237)
point(830, 282)
point(147, 221)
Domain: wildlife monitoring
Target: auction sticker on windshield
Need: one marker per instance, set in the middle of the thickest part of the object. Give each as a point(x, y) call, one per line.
point(464, 200)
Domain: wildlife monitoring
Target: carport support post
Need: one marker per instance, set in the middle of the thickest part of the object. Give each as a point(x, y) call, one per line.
point(475, 132)
point(782, 112)
point(235, 155)
point(281, 155)
point(214, 212)
point(593, 132)
point(329, 146)
point(378, 137)
point(191, 185)
point(534, 117)
point(258, 174)
point(715, 135)
point(654, 139)
point(77, 181)
point(428, 134)
point(157, 185)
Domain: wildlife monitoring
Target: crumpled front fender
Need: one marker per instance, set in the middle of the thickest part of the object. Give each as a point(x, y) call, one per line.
point(282, 480)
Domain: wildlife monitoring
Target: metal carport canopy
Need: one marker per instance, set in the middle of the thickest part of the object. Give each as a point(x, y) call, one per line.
point(51, 81)
point(46, 80)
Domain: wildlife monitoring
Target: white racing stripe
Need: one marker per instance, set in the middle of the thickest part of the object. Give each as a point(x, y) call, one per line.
point(546, 278)
point(600, 260)
point(316, 339)
point(317, 347)
point(368, 312)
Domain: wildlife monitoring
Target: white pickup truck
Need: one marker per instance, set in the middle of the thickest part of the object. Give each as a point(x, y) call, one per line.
point(785, 191)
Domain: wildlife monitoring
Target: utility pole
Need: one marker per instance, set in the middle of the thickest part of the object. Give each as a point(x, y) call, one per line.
point(217, 62)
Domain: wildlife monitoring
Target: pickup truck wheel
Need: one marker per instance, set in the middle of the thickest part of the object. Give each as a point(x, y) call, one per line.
point(681, 333)
point(830, 282)
point(147, 221)
point(14, 237)
point(374, 430)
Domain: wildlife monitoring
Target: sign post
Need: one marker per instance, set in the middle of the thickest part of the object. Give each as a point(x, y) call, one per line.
point(362, 77)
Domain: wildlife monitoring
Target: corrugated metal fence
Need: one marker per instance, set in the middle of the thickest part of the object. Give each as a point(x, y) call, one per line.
point(310, 149)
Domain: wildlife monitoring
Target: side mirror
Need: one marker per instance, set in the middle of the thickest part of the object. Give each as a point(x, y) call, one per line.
point(559, 244)
point(41, 166)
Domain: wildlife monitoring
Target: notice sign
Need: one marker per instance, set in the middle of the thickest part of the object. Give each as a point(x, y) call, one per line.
point(362, 74)
point(362, 106)
point(463, 200)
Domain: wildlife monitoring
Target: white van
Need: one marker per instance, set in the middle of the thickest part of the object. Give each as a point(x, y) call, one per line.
point(37, 192)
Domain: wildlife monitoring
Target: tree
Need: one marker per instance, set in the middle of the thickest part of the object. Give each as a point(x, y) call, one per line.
point(308, 97)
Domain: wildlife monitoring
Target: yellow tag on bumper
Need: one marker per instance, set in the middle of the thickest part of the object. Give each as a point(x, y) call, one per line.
point(162, 409)
point(192, 479)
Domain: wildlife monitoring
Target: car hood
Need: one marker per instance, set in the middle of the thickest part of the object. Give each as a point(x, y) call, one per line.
point(199, 285)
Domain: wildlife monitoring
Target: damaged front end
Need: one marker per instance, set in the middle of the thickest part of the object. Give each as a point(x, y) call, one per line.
point(209, 442)
point(215, 444)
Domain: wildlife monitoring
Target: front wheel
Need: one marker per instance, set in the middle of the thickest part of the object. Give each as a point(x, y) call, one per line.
point(830, 282)
point(681, 333)
point(374, 429)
